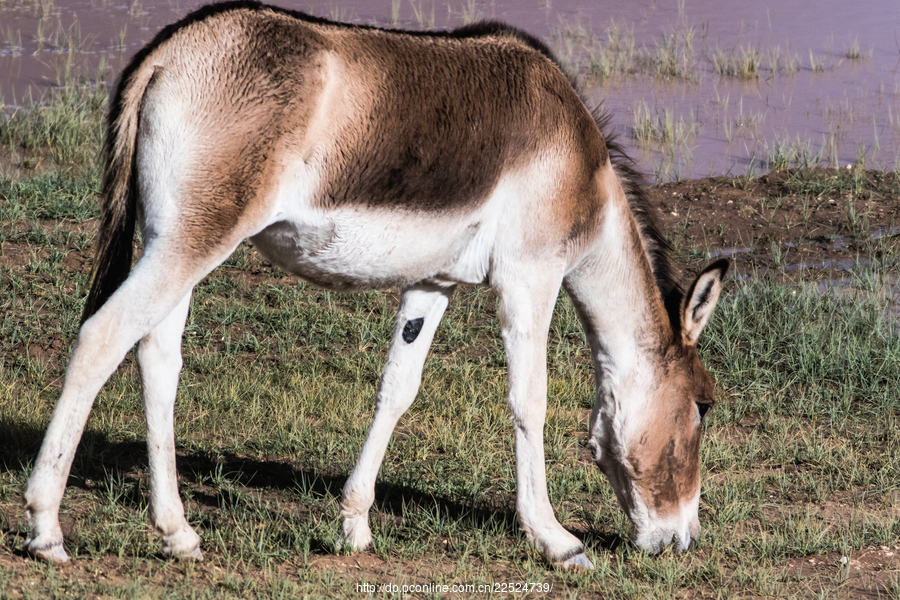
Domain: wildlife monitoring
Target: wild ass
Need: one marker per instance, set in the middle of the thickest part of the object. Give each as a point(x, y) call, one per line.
point(360, 158)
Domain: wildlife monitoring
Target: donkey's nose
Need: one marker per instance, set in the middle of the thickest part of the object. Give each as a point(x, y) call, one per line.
point(679, 536)
point(683, 541)
point(689, 532)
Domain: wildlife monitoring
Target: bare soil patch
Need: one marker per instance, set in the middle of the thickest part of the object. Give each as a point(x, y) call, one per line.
point(822, 219)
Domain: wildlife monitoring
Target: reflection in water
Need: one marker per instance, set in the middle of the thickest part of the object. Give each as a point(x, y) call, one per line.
point(702, 87)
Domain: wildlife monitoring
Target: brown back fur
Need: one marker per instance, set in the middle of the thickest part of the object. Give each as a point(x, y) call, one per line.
point(453, 108)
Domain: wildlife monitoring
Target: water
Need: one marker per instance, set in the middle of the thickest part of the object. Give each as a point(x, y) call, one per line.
point(817, 99)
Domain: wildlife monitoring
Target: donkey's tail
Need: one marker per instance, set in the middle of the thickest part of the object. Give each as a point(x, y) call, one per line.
point(116, 235)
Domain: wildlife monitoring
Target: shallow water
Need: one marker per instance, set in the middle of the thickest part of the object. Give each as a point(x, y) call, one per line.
point(839, 110)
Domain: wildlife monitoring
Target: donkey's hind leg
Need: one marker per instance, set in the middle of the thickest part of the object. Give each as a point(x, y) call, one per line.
point(421, 309)
point(149, 294)
point(159, 359)
point(526, 307)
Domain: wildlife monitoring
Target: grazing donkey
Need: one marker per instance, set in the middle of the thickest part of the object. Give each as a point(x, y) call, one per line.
point(359, 158)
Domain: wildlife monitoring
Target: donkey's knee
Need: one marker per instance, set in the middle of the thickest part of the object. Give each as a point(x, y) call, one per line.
point(158, 356)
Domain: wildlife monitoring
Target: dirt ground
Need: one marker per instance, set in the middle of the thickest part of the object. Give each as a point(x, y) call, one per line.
point(819, 219)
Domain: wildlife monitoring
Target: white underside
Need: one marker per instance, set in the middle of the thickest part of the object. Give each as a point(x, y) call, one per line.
point(357, 247)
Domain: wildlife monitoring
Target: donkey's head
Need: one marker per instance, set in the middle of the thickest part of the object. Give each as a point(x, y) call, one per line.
point(645, 426)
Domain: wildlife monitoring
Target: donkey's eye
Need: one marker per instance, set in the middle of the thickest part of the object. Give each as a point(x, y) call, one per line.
point(702, 407)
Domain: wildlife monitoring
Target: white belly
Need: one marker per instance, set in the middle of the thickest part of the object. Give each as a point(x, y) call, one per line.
point(357, 248)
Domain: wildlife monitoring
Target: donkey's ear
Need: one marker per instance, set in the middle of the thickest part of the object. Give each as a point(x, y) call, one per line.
point(700, 299)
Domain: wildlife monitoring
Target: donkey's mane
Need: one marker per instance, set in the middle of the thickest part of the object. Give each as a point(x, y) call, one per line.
point(658, 247)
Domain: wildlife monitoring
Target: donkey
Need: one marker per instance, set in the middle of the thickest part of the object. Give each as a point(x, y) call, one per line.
point(361, 158)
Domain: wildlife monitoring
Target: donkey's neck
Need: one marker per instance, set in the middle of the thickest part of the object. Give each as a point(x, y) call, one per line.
point(615, 292)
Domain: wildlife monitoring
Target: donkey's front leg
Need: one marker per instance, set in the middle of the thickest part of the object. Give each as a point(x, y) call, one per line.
point(421, 309)
point(526, 308)
point(159, 358)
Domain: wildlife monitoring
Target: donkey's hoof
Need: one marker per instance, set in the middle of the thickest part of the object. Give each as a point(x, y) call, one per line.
point(183, 544)
point(192, 554)
point(195, 554)
point(356, 536)
point(579, 561)
point(52, 553)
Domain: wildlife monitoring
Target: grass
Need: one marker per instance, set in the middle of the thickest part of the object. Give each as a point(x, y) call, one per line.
point(800, 457)
point(741, 63)
point(268, 431)
point(62, 130)
point(614, 55)
point(815, 183)
point(789, 153)
point(662, 128)
point(854, 53)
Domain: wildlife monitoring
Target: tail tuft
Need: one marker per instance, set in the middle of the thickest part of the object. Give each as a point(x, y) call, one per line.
point(114, 254)
point(116, 235)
